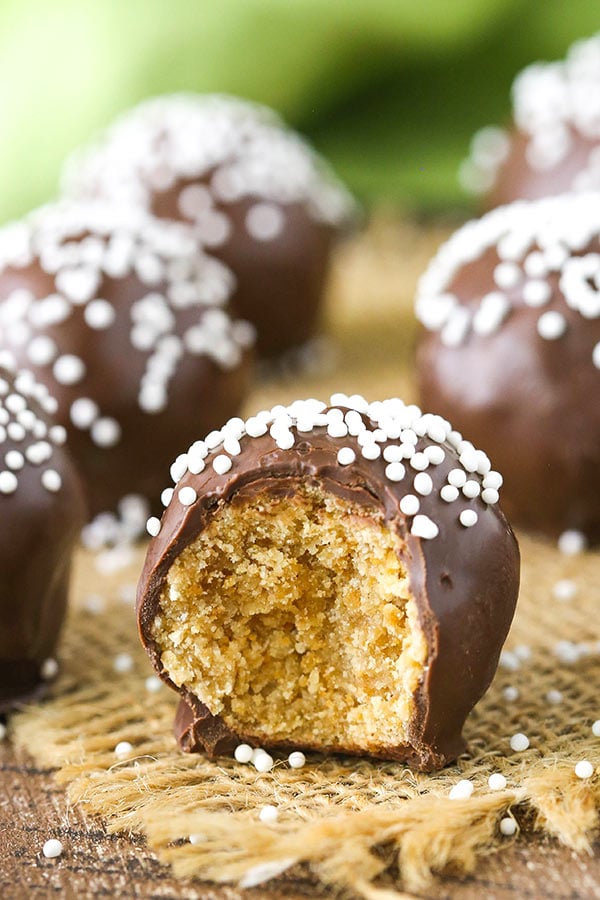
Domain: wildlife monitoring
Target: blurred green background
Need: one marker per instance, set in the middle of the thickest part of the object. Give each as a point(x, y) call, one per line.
point(389, 90)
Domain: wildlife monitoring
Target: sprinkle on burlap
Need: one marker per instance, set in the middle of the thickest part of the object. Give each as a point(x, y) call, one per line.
point(348, 820)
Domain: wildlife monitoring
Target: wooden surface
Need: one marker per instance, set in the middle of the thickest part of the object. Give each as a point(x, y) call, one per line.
point(94, 864)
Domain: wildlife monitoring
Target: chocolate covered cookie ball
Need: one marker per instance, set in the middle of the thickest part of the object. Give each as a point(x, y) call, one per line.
point(41, 512)
point(127, 324)
point(511, 304)
point(337, 578)
point(258, 196)
point(554, 144)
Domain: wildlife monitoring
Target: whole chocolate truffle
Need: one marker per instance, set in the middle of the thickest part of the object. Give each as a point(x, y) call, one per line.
point(554, 145)
point(335, 578)
point(512, 354)
point(41, 513)
point(258, 197)
point(126, 323)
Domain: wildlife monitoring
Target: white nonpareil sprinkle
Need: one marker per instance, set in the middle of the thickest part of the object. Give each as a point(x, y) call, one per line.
point(457, 477)
point(490, 496)
point(371, 451)
point(424, 527)
point(49, 669)
point(510, 694)
point(222, 464)
point(153, 684)
point(523, 652)
point(268, 814)
point(264, 221)
point(519, 742)
point(99, 314)
point(419, 462)
point(106, 432)
point(187, 495)
point(68, 369)
point(296, 759)
point(409, 505)
point(52, 848)
point(471, 489)
point(496, 781)
point(153, 526)
point(449, 493)
point(122, 663)
point(509, 660)
point(423, 484)
point(564, 590)
point(83, 412)
point(462, 790)
point(551, 325)
point(572, 542)
point(536, 293)
point(568, 652)
point(123, 749)
point(197, 839)
point(584, 769)
point(262, 761)
point(346, 456)
point(8, 482)
point(51, 480)
point(508, 826)
point(14, 460)
point(95, 604)
point(243, 753)
point(435, 454)
point(468, 518)
point(555, 697)
point(395, 471)
point(596, 728)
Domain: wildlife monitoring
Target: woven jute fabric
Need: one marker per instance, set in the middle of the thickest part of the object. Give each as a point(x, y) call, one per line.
point(349, 820)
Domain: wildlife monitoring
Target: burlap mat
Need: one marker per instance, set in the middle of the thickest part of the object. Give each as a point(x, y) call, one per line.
point(349, 820)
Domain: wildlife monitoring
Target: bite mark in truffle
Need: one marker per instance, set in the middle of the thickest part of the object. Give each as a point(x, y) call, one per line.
point(295, 603)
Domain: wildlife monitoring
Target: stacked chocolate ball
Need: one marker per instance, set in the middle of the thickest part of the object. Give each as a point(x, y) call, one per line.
point(553, 145)
point(511, 303)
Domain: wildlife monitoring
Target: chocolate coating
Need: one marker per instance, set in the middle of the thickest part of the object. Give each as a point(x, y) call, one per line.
point(259, 198)
point(464, 580)
point(127, 324)
point(41, 512)
point(517, 179)
point(553, 145)
point(527, 399)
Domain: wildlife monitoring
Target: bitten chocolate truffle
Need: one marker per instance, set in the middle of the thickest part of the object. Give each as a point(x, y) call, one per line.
point(41, 512)
point(512, 354)
point(127, 324)
point(257, 195)
point(334, 578)
point(554, 144)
